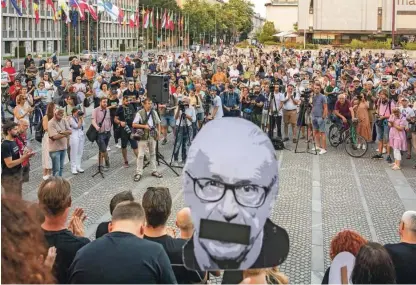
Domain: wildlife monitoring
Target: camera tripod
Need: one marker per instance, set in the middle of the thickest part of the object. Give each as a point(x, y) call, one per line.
point(159, 157)
point(184, 120)
point(273, 121)
point(300, 124)
point(99, 171)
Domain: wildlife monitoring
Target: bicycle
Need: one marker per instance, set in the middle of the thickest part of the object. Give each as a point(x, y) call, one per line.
point(355, 145)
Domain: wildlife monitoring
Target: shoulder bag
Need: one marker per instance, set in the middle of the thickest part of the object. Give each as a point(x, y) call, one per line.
point(139, 134)
point(92, 133)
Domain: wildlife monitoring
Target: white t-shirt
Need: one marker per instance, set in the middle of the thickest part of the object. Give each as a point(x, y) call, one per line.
point(289, 105)
point(188, 111)
point(217, 103)
point(407, 112)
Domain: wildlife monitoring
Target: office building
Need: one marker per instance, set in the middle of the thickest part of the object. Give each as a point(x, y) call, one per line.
point(44, 37)
point(283, 13)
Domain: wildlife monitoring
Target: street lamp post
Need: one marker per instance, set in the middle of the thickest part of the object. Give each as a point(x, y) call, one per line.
point(393, 26)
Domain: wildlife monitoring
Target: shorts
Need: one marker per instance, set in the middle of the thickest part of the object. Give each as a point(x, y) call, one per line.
point(102, 141)
point(167, 121)
point(318, 124)
point(290, 117)
point(125, 138)
point(382, 132)
point(200, 116)
point(265, 118)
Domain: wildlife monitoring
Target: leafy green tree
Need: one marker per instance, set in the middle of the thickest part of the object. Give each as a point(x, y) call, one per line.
point(267, 32)
point(168, 4)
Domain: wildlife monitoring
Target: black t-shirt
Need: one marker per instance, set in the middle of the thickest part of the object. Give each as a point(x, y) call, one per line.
point(76, 70)
point(259, 98)
point(9, 149)
point(132, 95)
point(121, 258)
point(173, 247)
point(102, 229)
point(126, 114)
point(129, 68)
point(113, 79)
point(113, 102)
point(404, 260)
point(67, 246)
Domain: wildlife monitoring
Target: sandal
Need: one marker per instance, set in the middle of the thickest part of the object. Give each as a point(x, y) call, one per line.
point(137, 177)
point(396, 167)
point(157, 174)
point(409, 156)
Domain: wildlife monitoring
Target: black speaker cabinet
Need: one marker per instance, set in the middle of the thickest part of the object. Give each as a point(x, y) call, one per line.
point(158, 88)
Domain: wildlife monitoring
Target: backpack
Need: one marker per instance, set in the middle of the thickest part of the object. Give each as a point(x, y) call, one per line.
point(39, 132)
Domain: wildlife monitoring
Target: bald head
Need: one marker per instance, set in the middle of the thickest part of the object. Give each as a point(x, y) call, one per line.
point(184, 220)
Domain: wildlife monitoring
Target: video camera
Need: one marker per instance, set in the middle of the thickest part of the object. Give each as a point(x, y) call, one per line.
point(182, 106)
point(305, 94)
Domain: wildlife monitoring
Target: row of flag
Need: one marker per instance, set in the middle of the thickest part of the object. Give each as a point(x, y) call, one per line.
point(165, 20)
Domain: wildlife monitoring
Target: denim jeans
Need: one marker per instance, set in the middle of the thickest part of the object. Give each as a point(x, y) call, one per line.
point(182, 142)
point(58, 160)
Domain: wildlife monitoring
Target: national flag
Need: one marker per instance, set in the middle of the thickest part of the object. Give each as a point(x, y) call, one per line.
point(24, 4)
point(157, 19)
point(75, 4)
point(146, 19)
point(92, 12)
point(36, 10)
point(100, 6)
point(120, 16)
point(137, 17)
point(164, 20)
point(63, 7)
point(50, 3)
point(16, 7)
point(112, 10)
point(74, 18)
point(132, 20)
point(3, 3)
point(151, 20)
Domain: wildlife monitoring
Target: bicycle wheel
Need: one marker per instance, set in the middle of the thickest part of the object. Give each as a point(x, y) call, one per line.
point(356, 145)
point(334, 135)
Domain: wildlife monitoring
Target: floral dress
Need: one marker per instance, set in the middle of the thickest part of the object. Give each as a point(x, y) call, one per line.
point(397, 139)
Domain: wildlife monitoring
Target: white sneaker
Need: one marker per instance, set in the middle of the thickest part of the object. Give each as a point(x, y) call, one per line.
point(363, 146)
point(108, 148)
point(358, 146)
point(315, 149)
point(118, 145)
point(384, 150)
point(74, 172)
point(80, 170)
point(323, 151)
point(45, 177)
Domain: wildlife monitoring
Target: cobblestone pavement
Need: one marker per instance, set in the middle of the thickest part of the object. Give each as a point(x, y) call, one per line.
point(318, 196)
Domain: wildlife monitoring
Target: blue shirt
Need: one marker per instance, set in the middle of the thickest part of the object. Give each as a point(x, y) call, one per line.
point(318, 102)
point(229, 99)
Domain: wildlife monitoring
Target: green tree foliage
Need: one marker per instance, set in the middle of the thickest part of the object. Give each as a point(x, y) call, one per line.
point(267, 32)
point(231, 18)
point(168, 4)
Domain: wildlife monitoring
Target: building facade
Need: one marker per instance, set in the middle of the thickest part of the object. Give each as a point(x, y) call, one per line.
point(258, 22)
point(283, 13)
point(44, 37)
point(340, 21)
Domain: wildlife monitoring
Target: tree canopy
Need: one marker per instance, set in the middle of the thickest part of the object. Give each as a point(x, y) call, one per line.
point(266, 33)
point(168, 4)
point(231, 18)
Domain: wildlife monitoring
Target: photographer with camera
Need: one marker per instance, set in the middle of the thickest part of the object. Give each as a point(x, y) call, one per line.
point(257, 100)
point(77, 139)
point(101, 120)
point(184, 116)
point(216, 111)
point(289, 102)
point(230, 102)
point(147, 129)
point(384, 108)
point(124, 117)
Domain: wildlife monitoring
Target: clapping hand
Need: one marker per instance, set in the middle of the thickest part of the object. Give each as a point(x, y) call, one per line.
point(76, 223)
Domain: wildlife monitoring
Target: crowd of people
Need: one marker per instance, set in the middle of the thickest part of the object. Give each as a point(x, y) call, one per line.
point(137, 246)
point(292, 95)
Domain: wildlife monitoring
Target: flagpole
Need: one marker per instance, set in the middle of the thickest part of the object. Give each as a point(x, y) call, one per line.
point(18, 40)
point(88, 31)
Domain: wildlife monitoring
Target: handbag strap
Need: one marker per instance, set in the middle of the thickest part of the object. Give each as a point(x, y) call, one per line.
point(105, 114)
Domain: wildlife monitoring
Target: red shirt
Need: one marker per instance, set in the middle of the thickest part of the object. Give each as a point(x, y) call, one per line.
point(11, 71)
point(344, 109)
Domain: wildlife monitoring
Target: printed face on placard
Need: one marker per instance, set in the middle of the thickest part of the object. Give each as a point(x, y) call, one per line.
point(230, 184)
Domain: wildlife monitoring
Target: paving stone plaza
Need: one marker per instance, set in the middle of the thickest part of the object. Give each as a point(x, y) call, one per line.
point(318, 196)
